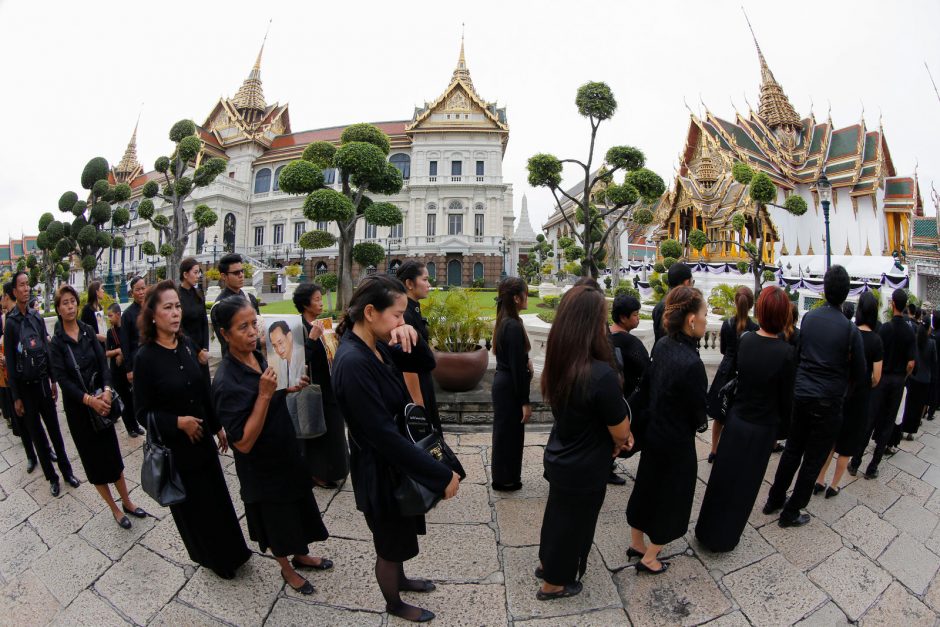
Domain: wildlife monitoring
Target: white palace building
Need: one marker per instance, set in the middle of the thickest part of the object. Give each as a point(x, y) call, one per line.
point(458, 211)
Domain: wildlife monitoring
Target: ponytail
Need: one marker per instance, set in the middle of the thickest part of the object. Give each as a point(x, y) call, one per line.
point(743, 301)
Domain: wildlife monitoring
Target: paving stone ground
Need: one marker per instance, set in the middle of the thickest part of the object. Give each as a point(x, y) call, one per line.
point(869, 556)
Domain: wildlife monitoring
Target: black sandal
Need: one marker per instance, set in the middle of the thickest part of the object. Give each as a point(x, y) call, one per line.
point(570, 590)
point(643, 568)
point(324, 564)
point(631, 552)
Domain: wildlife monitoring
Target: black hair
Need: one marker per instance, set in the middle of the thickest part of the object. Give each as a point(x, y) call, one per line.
point(135, 280)
point(899, 299)
point(624, 305)
point(93, 288)
point(303, 294)
point(867, 311)
point(836, 285)
point(16, 276)
point(228, 260)
point(8, 288)
point(848, 309)
point(911, 309)
point(279, 325)
point(226, 309)
point(410, 271)
point(678, 274)
point(378, 290)
point(114, 308)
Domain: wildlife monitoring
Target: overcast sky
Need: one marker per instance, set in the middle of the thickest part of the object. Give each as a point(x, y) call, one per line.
point(75, 73)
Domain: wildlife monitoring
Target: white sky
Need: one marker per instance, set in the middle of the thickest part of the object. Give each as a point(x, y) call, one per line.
point(75, 73)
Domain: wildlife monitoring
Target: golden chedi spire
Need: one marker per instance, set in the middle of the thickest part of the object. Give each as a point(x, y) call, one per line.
point(705, 173)
point(129, 163)
point(774, 108)
point(250, 96)
point(461, 72)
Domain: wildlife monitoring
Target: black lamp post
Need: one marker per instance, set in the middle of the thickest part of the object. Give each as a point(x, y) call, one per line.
point(503, 249)
point(303, 265)
point(215, 248)
point(153, 268)
point(824, 189)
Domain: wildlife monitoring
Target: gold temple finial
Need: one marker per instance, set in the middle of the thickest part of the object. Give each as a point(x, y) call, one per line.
point(250, 95)
point(774, 107)
point(128, 163)
point(461, 72)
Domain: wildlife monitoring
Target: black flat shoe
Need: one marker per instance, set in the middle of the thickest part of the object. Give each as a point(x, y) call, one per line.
point(134, 433)
point(643, 568)
point(831, 492)
point(615, 479)
point(570, 590)
point(30, 465)
point(73, 481)
point(507, 487)
point(778, 448)
point(324, 564)
point(54, 488)
point(124, 523)
point(771, 508)
point(306, 589)
point(871, 473)
point(853, 470)
point(711, 458)
point(419, 585)
point(137, 513)
point(631, 552)
point(799, 521)
point(224, 574)
point(539, 572)
point(818, 488)
point(423, 617)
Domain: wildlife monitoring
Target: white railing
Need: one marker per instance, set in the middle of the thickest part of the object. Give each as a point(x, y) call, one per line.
point(455, 179)
point(432, 179)
point(479, 179)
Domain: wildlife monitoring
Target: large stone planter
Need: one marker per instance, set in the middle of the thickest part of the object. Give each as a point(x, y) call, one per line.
point(460, 372)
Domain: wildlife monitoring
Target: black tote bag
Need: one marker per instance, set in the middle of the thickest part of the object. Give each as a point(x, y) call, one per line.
point(158, 476)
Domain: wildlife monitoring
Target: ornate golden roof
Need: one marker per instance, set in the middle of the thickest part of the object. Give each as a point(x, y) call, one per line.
point(774, 108)
point(250, 96)
point(461, 72)
point(706, 172)
point(129, 161)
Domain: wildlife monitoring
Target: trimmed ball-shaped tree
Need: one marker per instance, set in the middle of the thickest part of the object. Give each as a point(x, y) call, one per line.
point(670, 248)
point(189, 147)
point(313, 240)
point(742, 266)
point(67, 201)
point(101, 187)
point(367, 160)
point(328, 281)
point(89, 262)
point(383, 214)
point(145, 208)
point(300, 177)
point(697, 239)
point(149, 248)
point(642, 216)
point(742, 172)
point(763, 189)
point(150, 189)
point(328, 204)
point(87, 235)
point(45, 220)
point(162, 164)
point(738, 221)
point(95, 170)
point(121, 216)
point(668, 262)
point(367, 133)
point(649, 184)
point(100, 213)
point(166, 250)
point(596, 100)
point(182, 129)
point(319, 154)
point(368, 254)
point(625, 157)
point(544, 170)
point(795, 205)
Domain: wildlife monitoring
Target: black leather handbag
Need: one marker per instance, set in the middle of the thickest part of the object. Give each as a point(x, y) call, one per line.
point(158, 476)
point(98, 422)
point(413, 497)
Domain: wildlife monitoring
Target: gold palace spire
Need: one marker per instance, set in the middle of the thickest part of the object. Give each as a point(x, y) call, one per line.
point(129, 164)
point(774, 108)
point(461, 72)
point(250, 96)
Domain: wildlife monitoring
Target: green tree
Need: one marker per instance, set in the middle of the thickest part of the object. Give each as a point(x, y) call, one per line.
point(640, 187)
point(86, 235)
point(363, 169)
point(183, 172)
point(54, 251)
point(538, 255)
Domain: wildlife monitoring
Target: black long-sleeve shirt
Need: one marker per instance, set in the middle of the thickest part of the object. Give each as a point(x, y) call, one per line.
point(11, 339)
point(90, 358)
point(900, 346)
point(130, 335)
point(831, 354)
point(632, 357)
point(512, 357)
point(195, 320)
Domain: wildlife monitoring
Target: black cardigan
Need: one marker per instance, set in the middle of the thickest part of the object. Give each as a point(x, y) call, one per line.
point(91, 360)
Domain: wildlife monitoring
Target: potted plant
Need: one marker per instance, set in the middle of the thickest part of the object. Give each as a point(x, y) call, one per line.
point(458, 335)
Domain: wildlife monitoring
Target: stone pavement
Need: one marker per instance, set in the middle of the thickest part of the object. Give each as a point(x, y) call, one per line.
point(870, 555)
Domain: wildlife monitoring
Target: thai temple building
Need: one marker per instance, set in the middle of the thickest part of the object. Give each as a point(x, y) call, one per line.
point(874, 207)
point(11, 252)
point(458, 211)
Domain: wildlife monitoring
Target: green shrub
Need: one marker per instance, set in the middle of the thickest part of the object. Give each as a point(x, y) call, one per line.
point(551, 301)
point(628, 290)
point(454, 321)
point(668, 262)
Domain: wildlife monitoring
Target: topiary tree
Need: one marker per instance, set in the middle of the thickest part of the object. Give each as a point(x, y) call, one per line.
point(328, 281)
point(85, 236)
point(670, 248)
point(602, 204)
point(539, 254)
point(55, 250)
point(363, 169)
point(183, 172)
point(762, 192)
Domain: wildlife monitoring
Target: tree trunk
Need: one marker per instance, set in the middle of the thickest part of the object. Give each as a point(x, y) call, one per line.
point(179, 240)
point(344, 289)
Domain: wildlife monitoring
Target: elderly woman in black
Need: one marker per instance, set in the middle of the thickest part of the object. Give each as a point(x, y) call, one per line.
point(170, 391)
point(591, 427)
point(279, 503)
point(326, 457)
point(371, 392)
point(673, 394)
point(414, 276)
point(195, 317)
point(80, 368)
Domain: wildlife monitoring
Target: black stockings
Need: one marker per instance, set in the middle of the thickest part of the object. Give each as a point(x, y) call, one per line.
point(392, 580)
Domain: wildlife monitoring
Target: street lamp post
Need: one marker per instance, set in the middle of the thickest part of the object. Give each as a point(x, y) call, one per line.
point(824, 189)
point(303, 265)
point(153, 269)
point(503, 248)
point(109, 286)
point(215, 248)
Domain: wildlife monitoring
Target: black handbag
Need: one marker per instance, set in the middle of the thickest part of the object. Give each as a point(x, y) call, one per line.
point(158, 475)
point(98, 422)
point(726, 398)
point(306, 411)
point(413, 497)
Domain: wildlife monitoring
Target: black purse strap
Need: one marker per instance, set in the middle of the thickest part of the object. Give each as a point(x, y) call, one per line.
point(77, 369)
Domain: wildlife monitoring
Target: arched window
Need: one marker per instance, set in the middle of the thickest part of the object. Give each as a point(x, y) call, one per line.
point(263, 181)
point(455, 205)
point(277, 175)
point(395, 265)
point(477, 271)
point(370, 270)
point(321, 268)
point(432, 271)
point(403, 162)
point(228, 233)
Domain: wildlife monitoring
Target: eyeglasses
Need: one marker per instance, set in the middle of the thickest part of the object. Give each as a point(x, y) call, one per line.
point(236, 272)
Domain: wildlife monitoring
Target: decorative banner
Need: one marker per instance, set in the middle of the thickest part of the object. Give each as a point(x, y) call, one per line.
point(855, 288)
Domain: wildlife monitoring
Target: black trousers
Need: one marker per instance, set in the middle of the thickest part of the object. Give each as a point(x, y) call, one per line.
point(123, 388)
point(18, 424)
point(884, 405)
point(816, 424)
point(39, 409)
point(567, 534)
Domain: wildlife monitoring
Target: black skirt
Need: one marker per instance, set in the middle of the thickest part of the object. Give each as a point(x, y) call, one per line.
point(98, 450)
point(917, 396)
point(508, 432)
point(661, 502)
point(396, 538)
point(855, 420)
point(568, 532)
point(736, 477)
point(285, 528)
point(327, 457)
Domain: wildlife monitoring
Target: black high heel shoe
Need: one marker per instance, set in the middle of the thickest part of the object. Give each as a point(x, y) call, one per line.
point(643, 568)
point(631, 552)
point(831, 492)
point(818, 488)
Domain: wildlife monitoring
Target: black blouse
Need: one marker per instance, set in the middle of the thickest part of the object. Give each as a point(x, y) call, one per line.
point(371, 393)
point(130, 336)
point(414, 318)
point(512, 357)
point(319, 365)
point(88, 317)
point(89, 355)
point(728, 336)
point(633, 359)
point(195, 320)
point(676, 388)
point(766, 367)
point(272, 471)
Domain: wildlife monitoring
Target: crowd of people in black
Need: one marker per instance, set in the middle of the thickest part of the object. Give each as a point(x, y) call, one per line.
point(826, 385)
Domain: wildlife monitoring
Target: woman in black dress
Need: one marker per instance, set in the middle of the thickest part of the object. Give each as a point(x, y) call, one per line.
point(170, 389)
point(414, 275)
point(731, 331)
point(280, 507)
point(81, 370)
point(367, 379)
point(195, 317)
point(590, 428)
point(766, 366)
point(511, 407)
point(90, 311)
point(673, 395)
point(326, 457)
point(855, 414)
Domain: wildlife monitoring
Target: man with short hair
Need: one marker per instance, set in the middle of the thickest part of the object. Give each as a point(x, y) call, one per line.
point(629, 353)
point(900, 355)
point(17, 424)
point(26, 349)
point(130, 334)
point(232, 273)
point(830, 355)
point(678, 274)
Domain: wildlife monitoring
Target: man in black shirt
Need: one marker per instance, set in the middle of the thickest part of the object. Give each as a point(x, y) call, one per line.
point(130, 334)
point(830, 355)
point(678, 274)
point(629, 353)
point(233, 279)
point(900, 354)
point(17, 424)
point(26, 349)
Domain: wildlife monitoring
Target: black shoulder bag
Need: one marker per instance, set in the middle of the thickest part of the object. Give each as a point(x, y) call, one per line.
point(158, 475)
point(98, 422)
point(413, 497)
